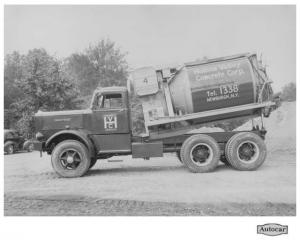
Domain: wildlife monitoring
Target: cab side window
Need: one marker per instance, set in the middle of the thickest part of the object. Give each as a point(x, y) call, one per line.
point(9, 135)
point(15, 134)
point(110, 101)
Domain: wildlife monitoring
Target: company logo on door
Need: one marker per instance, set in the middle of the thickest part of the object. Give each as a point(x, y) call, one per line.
point(110, 122)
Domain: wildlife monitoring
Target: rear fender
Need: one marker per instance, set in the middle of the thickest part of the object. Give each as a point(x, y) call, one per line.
point(74, 135)
point(26, 144)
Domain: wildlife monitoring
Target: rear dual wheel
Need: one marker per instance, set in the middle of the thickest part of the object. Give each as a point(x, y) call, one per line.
point(200, 153)
point(245, 151)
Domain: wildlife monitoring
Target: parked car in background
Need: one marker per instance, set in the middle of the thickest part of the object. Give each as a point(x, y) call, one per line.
point(14, 142)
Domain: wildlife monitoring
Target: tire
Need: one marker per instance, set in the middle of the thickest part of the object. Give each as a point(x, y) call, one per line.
point(93, 162)
point(70, 158)
point(10, 149)
point(206, 148)
point(178, 156)
point(246, 151)
point(30, 147)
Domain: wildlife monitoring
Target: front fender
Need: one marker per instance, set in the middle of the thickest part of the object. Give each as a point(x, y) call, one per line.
point(72, 134)
point(6, 144)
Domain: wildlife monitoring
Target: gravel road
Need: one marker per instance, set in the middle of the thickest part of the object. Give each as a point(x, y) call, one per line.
point(160, 186)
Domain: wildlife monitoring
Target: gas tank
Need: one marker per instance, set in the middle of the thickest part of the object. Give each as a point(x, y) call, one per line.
point(213, 84)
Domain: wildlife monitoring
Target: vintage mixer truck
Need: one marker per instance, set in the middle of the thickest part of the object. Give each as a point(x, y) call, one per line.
point(174, 101)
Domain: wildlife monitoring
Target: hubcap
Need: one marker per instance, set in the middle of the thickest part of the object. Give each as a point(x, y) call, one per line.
point(10, 149)
point(248, 151)
point(70, 159)
point(201, 154)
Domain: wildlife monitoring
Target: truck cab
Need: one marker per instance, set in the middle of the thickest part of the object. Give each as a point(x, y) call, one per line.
point(110, 127)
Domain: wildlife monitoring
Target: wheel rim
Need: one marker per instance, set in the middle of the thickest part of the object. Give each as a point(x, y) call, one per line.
point(10, 149)
point(70, 159)
point(201, 154)
point(248, 151)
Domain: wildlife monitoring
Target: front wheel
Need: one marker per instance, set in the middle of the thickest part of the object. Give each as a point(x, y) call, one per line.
point(246, 151)
point(70, 158)
point(10, 149)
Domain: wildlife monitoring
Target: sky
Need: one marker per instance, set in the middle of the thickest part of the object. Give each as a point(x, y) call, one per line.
point(160, 35)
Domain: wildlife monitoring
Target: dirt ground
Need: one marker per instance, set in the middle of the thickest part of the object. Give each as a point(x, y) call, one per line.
point(155, 187)
point(160, 186)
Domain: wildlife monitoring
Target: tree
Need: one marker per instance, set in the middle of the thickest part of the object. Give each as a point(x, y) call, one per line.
point(289, 92)
point(102, 64)
point(45, 87)
point(13, 72)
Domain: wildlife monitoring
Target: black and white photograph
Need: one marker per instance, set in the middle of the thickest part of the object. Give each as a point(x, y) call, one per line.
point(150, 110)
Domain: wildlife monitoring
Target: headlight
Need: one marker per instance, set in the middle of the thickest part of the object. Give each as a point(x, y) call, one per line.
point(39, 136)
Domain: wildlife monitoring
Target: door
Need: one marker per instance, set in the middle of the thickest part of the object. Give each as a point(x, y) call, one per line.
point(110, 124)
